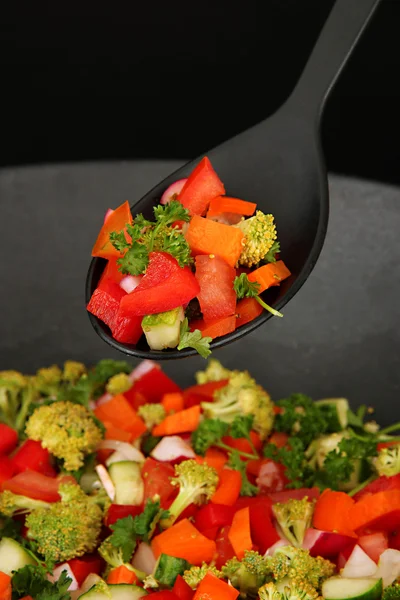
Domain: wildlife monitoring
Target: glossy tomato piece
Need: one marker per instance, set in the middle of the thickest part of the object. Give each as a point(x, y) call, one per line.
point(116, 221)
point(381, 484)
point(36, 485)
point(271, 477)
point(217, 297)
point(32, 456)
point(224, 551)
point(86, 564)
point(205, 389)
point(202, 185)
point(8, 439)
point(260, 510)
point(120, 511)
point(182, 590)
point(6, 469)
point(157, 480)
point(247, 310)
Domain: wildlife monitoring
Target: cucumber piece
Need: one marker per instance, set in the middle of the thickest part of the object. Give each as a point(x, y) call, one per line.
point(13, 556)
point(346, 588)
point(335, 410)
point(94, 594)
point(162, 330)
point(127, 479)
point(122, 591)
point(168, 568)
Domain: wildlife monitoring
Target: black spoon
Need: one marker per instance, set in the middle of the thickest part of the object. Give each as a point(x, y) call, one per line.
point(279, 165)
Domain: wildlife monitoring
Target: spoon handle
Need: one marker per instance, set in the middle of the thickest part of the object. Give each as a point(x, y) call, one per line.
point(338, 38)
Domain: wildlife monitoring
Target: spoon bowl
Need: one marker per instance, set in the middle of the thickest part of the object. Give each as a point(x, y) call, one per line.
point(279, 165)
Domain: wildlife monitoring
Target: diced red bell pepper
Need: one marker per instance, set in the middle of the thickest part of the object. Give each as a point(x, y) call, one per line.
point(394, 540)
point(211, 533)
point(381, 484)
point(36, 485)
point(8, 439)
point(202, 185)
point(163, 595)
point(116, 221)
point(182, 590)
point(127, 330)
point(6, 469)
point(206, 389)
point(151, 387)
point(217, 297)
point(120, 511)
point(247, 310)
point(260, 512)
point(105, 301)
point(285, 495)
point(194, 400)
point(83, 566)
point(215, 328)
point(112, 271)
point(214, 515)
point(32, 456)
point(164, 286)
point(224, 551)
point(242, 444)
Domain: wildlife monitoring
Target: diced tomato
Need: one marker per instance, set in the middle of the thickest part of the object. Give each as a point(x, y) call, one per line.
point(105, 301)
point(271, 477)
point(8, 439)
point(36, 485)
point(247, 310)
point(157, 480)
point(217, 297)
point(205, 389)
point(116, 221)
point(224, 550)
point(182, 590)
point(279, 439)
point(285, 495)
point(6, 469)
point(120, 511)
point(83, 566)
point(202, 185)
point(215, 328)
point(112, 271)
point(247, 501)
point(213, 515)
point(32, 456)
point(151, 387)
point(164, 286)
point(381, 484)
point(374, 544)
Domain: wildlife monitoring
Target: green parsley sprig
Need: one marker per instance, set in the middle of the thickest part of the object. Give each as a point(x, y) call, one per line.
point(245, 288)
point(194, 339)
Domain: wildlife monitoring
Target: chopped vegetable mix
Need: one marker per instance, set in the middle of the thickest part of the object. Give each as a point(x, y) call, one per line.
point(192, 273)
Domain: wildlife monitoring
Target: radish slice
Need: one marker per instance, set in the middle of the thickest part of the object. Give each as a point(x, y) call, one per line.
point(172, 447)
point(172, 192)
point(128, 451)
point(325, 543)
point(144, 367)
point(388, 567)
point(103, 399)
point(359, 564)
point(106, 481)
point(144, 559)
point(129, 283)
point(108, 213)
point(57, 574)
point(278, 544)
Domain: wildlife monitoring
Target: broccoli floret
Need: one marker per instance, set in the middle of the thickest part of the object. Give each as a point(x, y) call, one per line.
point(48, 380)
point(294, 518)
point(12, 504)
point(290, 591)
point(213, 372)
point(197, 483)
point(241, 396)
point(260, 235)
point(298, 566)
point(150, 583)
point(319, 448)
point(118, 384)
point(194, 575)
point(67, 430)
point(392, 592)
point(388, 461)
point(73, 370)
point(17, 392)
point(152, 414)
point(66, 529)
point(249, 574)
point(114, 558)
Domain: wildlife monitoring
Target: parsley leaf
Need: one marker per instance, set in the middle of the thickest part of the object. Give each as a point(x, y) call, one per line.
point(339, 464)
point(301, 417)
point(241, 426)
point(119, 241)
point(31, 580)
point(146, 522)
point(270, 257)
point(245, 288)
point(208, 433)
point(194, 339)
point(235, 462)
point(293, 458)
point(135, 261)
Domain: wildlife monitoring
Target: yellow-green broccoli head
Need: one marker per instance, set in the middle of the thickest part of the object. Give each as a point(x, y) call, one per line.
point(294, 518)
point(73, 370)
point(152, 414)
point(388, 461)
point(260, 234)
point(67, 430)
point(195, 575)
point(213, 372)
point(12, 504)
point(48, 380)
point(118, 384)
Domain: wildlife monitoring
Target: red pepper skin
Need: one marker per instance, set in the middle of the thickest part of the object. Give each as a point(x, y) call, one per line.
point(8, 439)
point(164, 286)
point(6, 469)
point(33, 457)
point(127, 330)
point(120, 511)
point(202, 185)
point(260, 512)
point(225, 550)
point(214, 515)
point(105, 301)
point(164, 595)
point(86, 564)
point(182, 590)
point(150, 388)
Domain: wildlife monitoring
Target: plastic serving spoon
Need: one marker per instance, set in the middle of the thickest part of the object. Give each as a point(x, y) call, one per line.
point(278, 164)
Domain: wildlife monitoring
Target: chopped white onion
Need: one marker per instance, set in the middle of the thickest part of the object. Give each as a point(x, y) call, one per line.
point(144, 559)
point(388, 566)
point(57, 574)
point(106, 481)
point(144, 367)
point(359, 564)
point(128, 451)
point(103, 399)
point(278, 544)
point(89, 582)
point(129, 283)
point(172, 447)
point(108, 213)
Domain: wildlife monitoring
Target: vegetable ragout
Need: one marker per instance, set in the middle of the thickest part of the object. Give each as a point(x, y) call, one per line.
point(192, 273)
point(116, 483)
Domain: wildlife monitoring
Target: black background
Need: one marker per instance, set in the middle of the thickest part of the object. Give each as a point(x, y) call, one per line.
point(162, 79)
